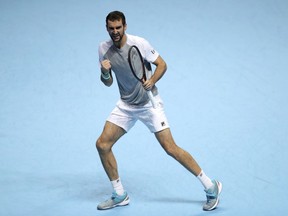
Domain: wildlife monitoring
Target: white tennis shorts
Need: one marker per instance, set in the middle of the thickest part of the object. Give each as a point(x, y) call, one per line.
point(125, 116)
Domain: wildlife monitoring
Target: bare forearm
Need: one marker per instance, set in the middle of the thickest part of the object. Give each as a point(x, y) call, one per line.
point(159, 72)
point(106, 77)
point(161, 68)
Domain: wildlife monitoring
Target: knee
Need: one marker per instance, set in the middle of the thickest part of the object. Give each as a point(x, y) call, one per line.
point(102, 146)
point(170, 149)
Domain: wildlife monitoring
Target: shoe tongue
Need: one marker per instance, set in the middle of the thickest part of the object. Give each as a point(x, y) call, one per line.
point(210, 191)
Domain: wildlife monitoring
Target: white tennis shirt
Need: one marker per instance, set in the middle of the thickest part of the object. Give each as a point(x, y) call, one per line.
point(131, 90)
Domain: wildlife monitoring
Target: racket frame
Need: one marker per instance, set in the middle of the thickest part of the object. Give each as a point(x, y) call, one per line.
point(143, 79)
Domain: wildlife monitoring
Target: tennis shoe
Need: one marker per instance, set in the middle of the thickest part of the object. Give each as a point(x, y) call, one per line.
point(212, 195)
point(114, 201)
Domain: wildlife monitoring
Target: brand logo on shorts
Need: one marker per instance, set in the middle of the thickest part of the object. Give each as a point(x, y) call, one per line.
point(163, 124)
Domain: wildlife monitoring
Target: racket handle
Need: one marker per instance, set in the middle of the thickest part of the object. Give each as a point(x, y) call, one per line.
point(152, 99)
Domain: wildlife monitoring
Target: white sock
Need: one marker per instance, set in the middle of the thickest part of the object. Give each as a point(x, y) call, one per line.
point(118, 187)
point(205, 180)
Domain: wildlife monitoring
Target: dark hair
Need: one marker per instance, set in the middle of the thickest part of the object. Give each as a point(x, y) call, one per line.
point(116, 15)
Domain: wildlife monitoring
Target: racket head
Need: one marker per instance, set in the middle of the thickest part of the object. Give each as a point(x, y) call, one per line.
point(136, 63)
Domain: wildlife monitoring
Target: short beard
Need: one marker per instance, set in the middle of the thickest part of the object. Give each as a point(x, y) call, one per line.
point(118, 42)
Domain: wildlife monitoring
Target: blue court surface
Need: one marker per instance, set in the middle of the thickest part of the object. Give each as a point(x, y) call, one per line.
point(225, 94)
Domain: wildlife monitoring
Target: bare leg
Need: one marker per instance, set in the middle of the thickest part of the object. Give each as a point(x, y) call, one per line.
point(167, 142)
point(111, 133)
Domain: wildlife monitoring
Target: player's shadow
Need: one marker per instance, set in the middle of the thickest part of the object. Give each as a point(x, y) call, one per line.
point(176, 200)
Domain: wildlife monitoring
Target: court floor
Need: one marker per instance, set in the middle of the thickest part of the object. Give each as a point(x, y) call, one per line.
point(225, 95)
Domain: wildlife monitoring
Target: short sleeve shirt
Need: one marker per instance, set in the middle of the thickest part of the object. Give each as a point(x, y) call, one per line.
point(131, 90)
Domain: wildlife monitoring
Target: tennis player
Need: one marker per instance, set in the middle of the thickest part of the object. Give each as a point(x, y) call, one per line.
point(133, 105)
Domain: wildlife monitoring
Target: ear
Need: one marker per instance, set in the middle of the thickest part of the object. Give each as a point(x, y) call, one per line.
point(125, 27)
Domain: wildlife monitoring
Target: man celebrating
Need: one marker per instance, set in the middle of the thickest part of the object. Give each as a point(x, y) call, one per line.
point(134, 105)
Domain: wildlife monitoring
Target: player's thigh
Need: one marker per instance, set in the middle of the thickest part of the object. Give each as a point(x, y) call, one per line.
point(110, 134)
point(165, 138)
point(167, 142)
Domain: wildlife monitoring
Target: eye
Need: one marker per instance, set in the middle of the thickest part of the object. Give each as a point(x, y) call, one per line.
point(113, 28)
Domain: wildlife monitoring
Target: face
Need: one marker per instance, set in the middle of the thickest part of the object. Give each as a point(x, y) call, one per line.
point(116, 30)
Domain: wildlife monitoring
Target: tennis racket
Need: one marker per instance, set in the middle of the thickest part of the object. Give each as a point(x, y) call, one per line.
point(136, 63)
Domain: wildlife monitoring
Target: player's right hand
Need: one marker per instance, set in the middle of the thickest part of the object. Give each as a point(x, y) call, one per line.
point(106, 66)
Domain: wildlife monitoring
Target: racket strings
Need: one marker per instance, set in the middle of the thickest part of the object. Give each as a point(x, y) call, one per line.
point(137, 64)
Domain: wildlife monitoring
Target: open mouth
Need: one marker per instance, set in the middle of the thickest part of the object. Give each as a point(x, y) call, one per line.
point(116, 37)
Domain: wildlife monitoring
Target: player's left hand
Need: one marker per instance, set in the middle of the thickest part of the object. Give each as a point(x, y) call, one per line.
point(148, 84)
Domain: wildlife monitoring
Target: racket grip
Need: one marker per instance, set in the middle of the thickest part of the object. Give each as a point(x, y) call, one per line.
point(152, 99)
